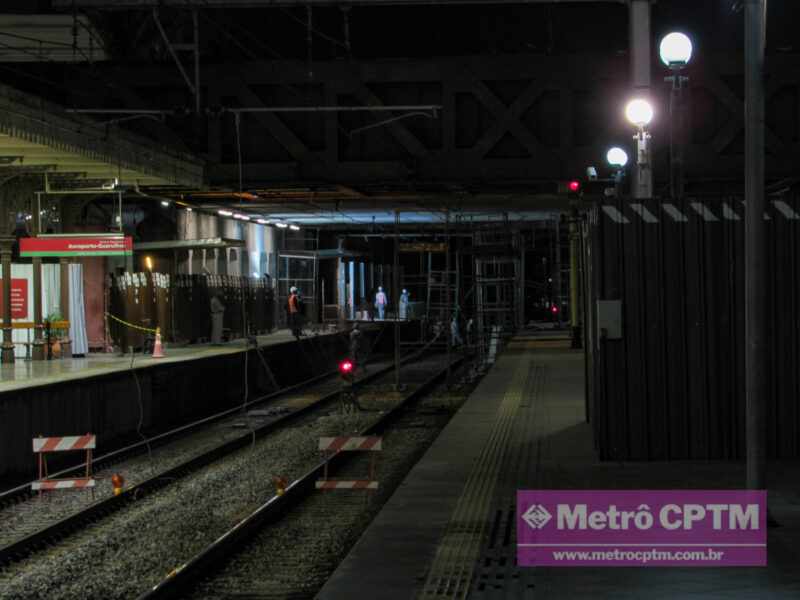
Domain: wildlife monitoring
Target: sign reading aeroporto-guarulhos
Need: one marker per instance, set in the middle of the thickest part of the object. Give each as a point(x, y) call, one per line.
point(623, 528)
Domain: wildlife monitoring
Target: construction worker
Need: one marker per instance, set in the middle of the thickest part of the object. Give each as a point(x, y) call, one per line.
point(355, 344)
point(471, 331)
point(293, 307)
point(217, 317)
point(403, 305)
point(455, 335)
point(380, 303)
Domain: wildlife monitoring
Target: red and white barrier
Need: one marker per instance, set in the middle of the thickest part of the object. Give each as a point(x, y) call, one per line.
point(357, 484)
point(66, 443)
point(62, 484)
point(332, 445)
point(349, 443)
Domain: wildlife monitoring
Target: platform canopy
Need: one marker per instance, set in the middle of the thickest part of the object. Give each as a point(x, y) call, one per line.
point(36, 135)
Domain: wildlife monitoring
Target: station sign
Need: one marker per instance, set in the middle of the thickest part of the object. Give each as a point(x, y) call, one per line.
point(19, 298)
point(88, 245)
point(423, 247)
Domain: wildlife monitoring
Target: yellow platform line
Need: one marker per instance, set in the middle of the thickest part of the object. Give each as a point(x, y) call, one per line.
point(454, 563)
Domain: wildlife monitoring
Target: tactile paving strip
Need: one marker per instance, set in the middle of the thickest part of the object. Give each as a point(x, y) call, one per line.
point(454, 563)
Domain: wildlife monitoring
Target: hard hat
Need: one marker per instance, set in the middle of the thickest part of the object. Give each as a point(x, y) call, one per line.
point(293, 289)
point(405, 291)
point(380, 289)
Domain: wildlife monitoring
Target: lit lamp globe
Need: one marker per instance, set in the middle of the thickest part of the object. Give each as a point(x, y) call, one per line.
point(675, 50)
point(617, 157)
point(639, 112)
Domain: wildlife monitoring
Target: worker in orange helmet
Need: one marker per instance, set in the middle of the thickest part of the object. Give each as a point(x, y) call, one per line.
point(293, 308)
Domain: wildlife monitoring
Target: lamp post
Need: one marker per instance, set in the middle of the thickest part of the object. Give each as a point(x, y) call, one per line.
point(676, 52)
point(617, 158)
point(640, 112)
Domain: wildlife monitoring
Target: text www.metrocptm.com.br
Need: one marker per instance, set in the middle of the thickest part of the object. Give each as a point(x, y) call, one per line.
point(642, 556)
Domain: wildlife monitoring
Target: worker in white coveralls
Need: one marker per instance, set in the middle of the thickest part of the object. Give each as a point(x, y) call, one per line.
point(404, 297)
point(380, 303)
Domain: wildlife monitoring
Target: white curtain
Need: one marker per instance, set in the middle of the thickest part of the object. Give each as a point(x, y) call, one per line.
point(77, 314)
point(51, 290)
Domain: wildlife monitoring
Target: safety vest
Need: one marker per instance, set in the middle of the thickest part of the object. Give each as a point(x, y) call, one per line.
point(293, 308)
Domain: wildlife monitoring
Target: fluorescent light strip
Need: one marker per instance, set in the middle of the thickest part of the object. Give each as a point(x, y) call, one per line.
point(224, 213)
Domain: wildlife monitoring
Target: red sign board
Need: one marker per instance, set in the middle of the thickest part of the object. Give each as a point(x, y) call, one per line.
point(76, 246)
point(19, 299)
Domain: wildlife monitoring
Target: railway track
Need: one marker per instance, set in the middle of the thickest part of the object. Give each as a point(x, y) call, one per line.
point(282, 548)
point(146, 536)
point(30, 523)
point(294, 557)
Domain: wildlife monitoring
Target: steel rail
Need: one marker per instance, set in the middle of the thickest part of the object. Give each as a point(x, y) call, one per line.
point(162, 438)
point(181, 581)
point(31, 543)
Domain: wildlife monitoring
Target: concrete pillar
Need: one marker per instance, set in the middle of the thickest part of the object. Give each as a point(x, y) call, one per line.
point(270, 251)
point(640, 81)
point(189, 224)
point(254, 239)
point(7, 352)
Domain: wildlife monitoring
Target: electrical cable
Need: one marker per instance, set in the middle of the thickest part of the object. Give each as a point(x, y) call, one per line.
point(324, 36)
point(145, 440)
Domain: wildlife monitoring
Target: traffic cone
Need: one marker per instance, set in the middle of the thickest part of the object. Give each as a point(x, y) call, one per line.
point(158, 351)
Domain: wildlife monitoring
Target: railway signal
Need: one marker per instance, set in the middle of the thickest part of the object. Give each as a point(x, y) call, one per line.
point(346, 369)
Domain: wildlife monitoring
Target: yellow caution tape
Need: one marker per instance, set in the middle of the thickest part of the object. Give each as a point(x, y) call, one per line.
point(132, 326)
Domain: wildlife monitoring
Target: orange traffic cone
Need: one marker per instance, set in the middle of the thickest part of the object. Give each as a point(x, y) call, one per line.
point(158, 351)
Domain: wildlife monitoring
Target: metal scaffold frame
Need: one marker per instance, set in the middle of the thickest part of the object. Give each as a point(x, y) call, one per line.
point(498, 287)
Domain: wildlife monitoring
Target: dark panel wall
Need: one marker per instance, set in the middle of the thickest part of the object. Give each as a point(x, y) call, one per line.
point(673, 386)
point(171, 395)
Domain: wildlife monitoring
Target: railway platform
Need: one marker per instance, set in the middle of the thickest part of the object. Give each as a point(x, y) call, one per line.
point(449, 529)
point(24, 374)
point(118, 398)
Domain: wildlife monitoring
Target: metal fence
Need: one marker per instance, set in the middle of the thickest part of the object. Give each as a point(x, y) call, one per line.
point(666, 374)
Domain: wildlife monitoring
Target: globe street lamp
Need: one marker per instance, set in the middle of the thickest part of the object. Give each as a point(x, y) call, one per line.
point(676, 52)
point(640, 112)
point(617, 157)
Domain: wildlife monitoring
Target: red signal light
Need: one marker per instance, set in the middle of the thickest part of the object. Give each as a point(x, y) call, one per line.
point(554, 309)
point(574, 186)
point(346, 367)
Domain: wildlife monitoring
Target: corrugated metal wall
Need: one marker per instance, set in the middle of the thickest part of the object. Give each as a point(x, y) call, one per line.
point(673, 386)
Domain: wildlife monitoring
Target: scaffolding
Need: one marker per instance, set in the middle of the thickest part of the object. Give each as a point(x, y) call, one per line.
point(298, 266)
point(442, 292)
point(498, 287)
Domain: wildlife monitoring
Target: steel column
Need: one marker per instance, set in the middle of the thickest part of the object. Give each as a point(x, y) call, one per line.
point(37, 352)
point(396, 296)
point(573, 280)
point(756, 350)
point(639, 39)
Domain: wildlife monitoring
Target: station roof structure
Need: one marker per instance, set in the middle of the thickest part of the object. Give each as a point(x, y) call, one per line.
point(40, 136)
